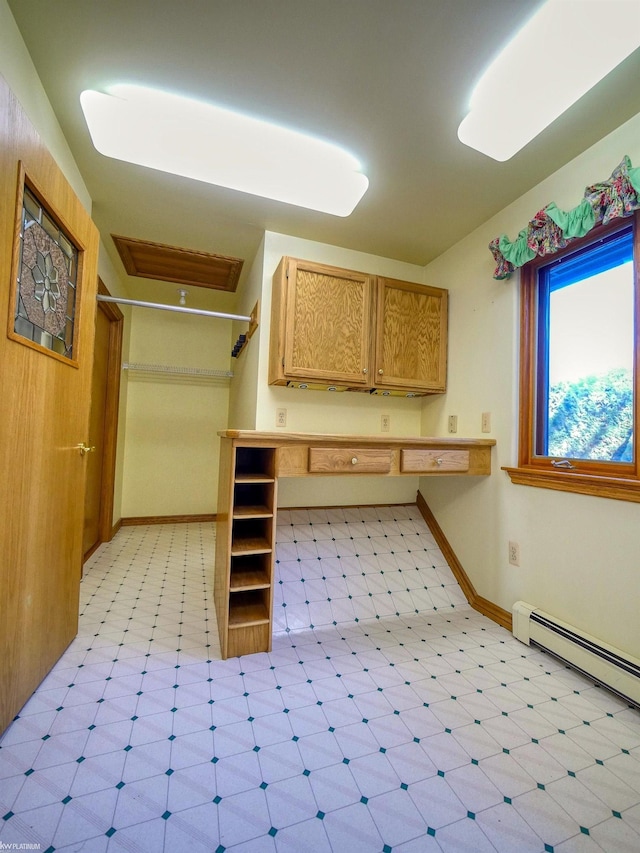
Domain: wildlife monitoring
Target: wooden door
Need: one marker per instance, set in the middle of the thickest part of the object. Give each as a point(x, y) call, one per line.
point(411, 336)
point(44, 413)
point(103, 426)
point(328, 320)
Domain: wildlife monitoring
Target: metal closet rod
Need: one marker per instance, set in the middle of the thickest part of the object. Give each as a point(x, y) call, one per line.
point(177, 308)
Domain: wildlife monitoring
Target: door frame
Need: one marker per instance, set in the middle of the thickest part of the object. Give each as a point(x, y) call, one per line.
point(106, 527)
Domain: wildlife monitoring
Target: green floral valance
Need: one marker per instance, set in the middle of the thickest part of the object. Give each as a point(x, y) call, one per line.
point(552, 228)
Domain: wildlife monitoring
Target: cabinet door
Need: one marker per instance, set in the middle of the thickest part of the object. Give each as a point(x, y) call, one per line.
point(411, 336)
point(327, 324)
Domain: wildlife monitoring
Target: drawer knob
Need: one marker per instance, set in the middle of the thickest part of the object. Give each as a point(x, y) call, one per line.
point(354, 460)
point(439, 460)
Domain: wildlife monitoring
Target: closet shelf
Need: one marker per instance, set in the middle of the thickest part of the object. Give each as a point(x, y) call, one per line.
point(177, 371)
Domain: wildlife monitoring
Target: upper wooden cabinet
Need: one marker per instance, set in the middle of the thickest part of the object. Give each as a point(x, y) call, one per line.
point(332, 327)
point(320, 325)
point(411, 336)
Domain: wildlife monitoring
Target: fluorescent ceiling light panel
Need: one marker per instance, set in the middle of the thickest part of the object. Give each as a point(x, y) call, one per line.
point(563, 51)
point(197, 140)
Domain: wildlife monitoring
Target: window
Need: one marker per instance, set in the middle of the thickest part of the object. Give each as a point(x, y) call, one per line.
point(579, 395)
point(44, 289)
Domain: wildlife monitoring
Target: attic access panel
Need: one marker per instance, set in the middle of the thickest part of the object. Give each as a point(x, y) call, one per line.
point(183, 266)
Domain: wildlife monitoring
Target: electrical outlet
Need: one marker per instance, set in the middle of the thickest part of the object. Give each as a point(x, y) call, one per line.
point(486, 422)
point(281, 417)
point(514, 554)
point(385, 423)
point(453, 423)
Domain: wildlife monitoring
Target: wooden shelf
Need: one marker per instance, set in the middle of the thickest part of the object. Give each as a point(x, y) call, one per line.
point(245, 550)
point(254, 465)
point(251, 551)
point(255, 511)
point(254, 478)
point(243, 614)
point(250, 545)
point(247, 579)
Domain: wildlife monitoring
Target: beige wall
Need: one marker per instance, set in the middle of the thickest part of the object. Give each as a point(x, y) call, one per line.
point(20, 73)
point(171, 443)
point(578, 554)
point(244, 385)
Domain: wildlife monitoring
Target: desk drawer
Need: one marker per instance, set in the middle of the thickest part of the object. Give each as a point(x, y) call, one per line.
point(433, 461)
point(349, 460)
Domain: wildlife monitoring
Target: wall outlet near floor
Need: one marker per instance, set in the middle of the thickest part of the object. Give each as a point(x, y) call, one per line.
point(486, 422)
point(281, 417)
point(385, 423)
point(514, 554)
point(453, 423)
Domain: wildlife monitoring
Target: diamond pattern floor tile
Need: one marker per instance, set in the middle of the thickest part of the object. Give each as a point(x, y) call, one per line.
point(389, 717)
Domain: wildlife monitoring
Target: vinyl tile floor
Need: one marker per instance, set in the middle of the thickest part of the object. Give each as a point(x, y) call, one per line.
point(389, 716)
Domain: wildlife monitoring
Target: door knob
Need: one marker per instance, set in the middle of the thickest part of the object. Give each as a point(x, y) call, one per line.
point(82, 447)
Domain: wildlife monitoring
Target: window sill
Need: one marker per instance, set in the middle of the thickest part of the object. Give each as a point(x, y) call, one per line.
point(616, 488)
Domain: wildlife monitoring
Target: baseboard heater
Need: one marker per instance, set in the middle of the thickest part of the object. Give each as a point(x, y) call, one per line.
point(603, 663)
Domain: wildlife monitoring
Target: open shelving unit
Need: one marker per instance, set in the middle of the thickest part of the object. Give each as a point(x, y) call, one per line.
point(252, 462)
point(245, 551)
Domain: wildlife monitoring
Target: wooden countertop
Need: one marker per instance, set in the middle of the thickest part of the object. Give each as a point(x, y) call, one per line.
point(314, 454)
point(281, 437)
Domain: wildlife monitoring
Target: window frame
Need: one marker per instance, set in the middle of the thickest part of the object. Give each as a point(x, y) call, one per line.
point(27, 183)
point(592, 477)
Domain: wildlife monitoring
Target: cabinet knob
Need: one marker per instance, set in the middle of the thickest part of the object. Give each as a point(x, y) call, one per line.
point(439, 460)
point(364, 370)
point(354, 460)
point(380, 372)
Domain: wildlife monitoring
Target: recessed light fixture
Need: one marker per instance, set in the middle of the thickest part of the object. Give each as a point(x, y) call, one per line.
point(197, 140)
point(563, 51)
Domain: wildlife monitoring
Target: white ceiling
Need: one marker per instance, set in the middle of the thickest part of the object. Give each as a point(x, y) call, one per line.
point(387, 79)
